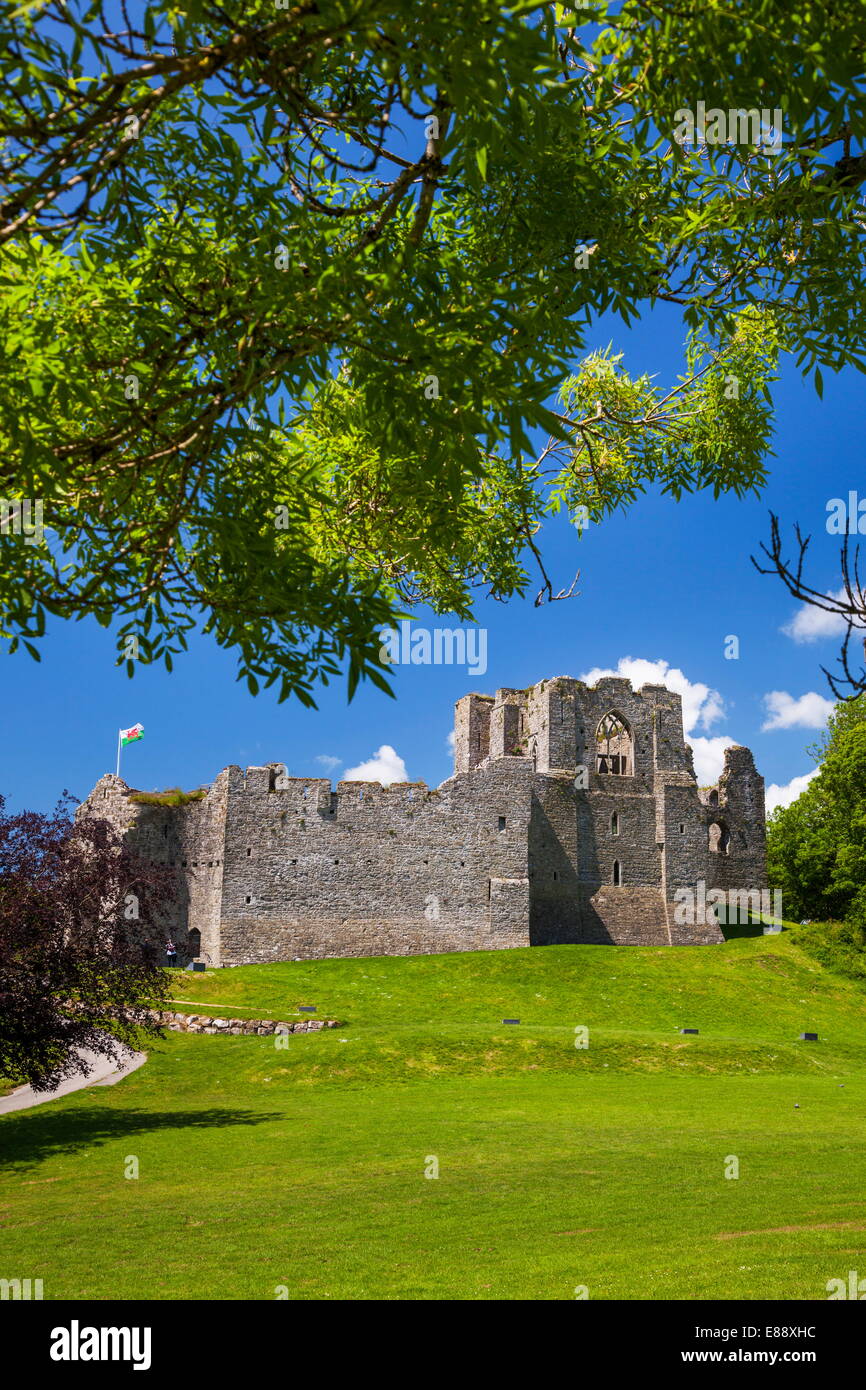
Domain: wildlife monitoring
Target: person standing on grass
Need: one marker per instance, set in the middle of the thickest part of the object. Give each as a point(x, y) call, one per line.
point(171, 952)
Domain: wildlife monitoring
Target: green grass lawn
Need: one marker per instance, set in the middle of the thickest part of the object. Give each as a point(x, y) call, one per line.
point(558, 1167)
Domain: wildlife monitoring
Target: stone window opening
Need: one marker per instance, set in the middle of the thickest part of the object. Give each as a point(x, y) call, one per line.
point(555, 875)
point(613, 747)
point(614, 823)
point(714, 798)
point(249, 852)
point(194, 942)
point(501, 822)
point(248, 899)
point(617, 874)
point(719, 838)
point(682, 828)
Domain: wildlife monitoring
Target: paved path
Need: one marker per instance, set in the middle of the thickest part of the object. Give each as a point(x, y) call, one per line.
point(104, 1071)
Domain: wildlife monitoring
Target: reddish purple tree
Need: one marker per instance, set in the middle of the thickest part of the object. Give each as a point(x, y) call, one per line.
point(81, 917)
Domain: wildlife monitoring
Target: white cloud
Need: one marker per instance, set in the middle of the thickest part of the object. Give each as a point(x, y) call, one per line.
point(810, 624)
point(776, 795)
point(710, 758)
point(702, 707)
point(449, 742)
point(386, 766)
point(811, 711)
point(327, 761)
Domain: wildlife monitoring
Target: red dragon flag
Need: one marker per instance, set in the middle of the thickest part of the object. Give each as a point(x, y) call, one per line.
point(125, 736)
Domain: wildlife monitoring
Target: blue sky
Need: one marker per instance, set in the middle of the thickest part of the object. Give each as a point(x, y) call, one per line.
point(664, 582)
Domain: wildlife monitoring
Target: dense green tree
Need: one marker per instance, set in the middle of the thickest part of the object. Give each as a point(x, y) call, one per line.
point(291, 294)
point(816, 847)
point(801, 856)
point(843, 775)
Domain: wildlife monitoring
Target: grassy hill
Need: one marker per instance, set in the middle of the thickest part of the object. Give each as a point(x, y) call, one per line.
point(559, 1167)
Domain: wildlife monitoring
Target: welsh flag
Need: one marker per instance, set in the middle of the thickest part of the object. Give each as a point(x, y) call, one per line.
point(131, 735)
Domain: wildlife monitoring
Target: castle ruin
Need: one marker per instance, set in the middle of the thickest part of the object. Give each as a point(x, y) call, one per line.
point(573, 815)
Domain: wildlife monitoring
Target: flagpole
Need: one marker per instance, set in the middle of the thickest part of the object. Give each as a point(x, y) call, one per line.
point(118, 752)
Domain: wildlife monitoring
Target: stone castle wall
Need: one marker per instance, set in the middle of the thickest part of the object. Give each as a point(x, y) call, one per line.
point(533, 840)
point(192, 838)
point(372, 870)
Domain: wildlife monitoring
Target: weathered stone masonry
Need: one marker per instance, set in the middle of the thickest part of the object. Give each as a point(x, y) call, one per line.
point(573, 815)
point(265, 1027)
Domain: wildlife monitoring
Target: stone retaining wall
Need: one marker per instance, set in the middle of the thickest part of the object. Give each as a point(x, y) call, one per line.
point(201, 1023)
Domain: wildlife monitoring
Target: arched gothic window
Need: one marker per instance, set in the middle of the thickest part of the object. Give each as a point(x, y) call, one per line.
point(614, 747)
